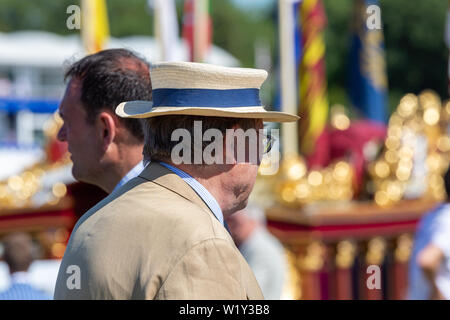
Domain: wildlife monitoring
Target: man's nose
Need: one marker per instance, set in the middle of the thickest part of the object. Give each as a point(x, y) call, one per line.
point(62, 134)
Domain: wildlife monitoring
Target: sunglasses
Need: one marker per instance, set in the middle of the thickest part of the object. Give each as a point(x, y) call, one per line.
point(268, 142)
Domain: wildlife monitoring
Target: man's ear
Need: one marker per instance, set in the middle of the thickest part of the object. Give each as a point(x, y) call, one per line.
point(107, 128)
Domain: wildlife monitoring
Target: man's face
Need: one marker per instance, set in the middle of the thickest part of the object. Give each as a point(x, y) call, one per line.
point(240, 226)
point(242, 176)
point(84, 141)
point(242, 179)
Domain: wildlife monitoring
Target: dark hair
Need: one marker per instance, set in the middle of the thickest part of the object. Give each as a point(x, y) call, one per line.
point(110, 77)
point(158, 131)
point(18, 251)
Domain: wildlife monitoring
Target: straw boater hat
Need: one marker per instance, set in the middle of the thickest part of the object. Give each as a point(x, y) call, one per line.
point(187, 88)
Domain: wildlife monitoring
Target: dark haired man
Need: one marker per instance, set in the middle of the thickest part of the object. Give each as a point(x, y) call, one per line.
point(105, 150)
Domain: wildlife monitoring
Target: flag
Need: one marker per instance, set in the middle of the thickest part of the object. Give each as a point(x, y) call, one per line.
point(166, 28)
point(447, 41)
point(289, 55)
point(313, 101)
point(95, 29)
point(197, 28)
point(368, 80)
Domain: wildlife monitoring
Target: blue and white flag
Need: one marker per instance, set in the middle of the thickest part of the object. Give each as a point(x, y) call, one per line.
point(367, 74)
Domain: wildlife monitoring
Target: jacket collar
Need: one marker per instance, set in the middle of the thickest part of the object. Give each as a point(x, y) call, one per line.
point(166, 178)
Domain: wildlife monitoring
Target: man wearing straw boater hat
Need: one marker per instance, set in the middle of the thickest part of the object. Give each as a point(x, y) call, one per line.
point(162, 235)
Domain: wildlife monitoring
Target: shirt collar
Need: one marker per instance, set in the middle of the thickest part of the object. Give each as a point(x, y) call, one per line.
point(130, 175)
point(201, 191)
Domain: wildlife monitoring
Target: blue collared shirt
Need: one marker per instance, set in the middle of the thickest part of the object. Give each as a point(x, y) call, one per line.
point(130, 175)
point(21, 289)
point(200, 190)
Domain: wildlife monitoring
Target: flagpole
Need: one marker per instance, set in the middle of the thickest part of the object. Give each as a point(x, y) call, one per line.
point(166, 28)
point(288, 76)
point(157, 29)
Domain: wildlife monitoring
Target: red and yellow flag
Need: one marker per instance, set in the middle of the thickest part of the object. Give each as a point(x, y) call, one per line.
point(95, 29)
point(313, 102)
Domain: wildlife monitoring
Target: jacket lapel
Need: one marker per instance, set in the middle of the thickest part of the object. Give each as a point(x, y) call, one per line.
point(166, 178)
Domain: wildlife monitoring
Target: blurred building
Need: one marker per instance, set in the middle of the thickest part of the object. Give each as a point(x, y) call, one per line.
point(32, 79)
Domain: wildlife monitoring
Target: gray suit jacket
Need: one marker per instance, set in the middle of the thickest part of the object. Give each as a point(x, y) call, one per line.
point(154, 238)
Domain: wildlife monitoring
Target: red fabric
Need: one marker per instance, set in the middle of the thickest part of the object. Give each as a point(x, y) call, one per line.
point(348, 144)
point(337, 231)
point(188, 27)
point(56, 150)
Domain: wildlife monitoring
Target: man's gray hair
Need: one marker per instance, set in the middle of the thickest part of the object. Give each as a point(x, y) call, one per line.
point(158, 132)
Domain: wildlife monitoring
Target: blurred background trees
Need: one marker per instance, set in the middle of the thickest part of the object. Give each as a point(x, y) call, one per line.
point(416, 53)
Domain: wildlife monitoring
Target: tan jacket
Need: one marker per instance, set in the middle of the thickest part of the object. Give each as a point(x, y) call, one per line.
point(154, 238)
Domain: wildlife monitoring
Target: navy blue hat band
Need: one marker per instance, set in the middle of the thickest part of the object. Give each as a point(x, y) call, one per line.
point(206, 98)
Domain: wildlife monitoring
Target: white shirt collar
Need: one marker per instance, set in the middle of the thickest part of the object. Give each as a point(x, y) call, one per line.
point(130, 175)
point(203, 193)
